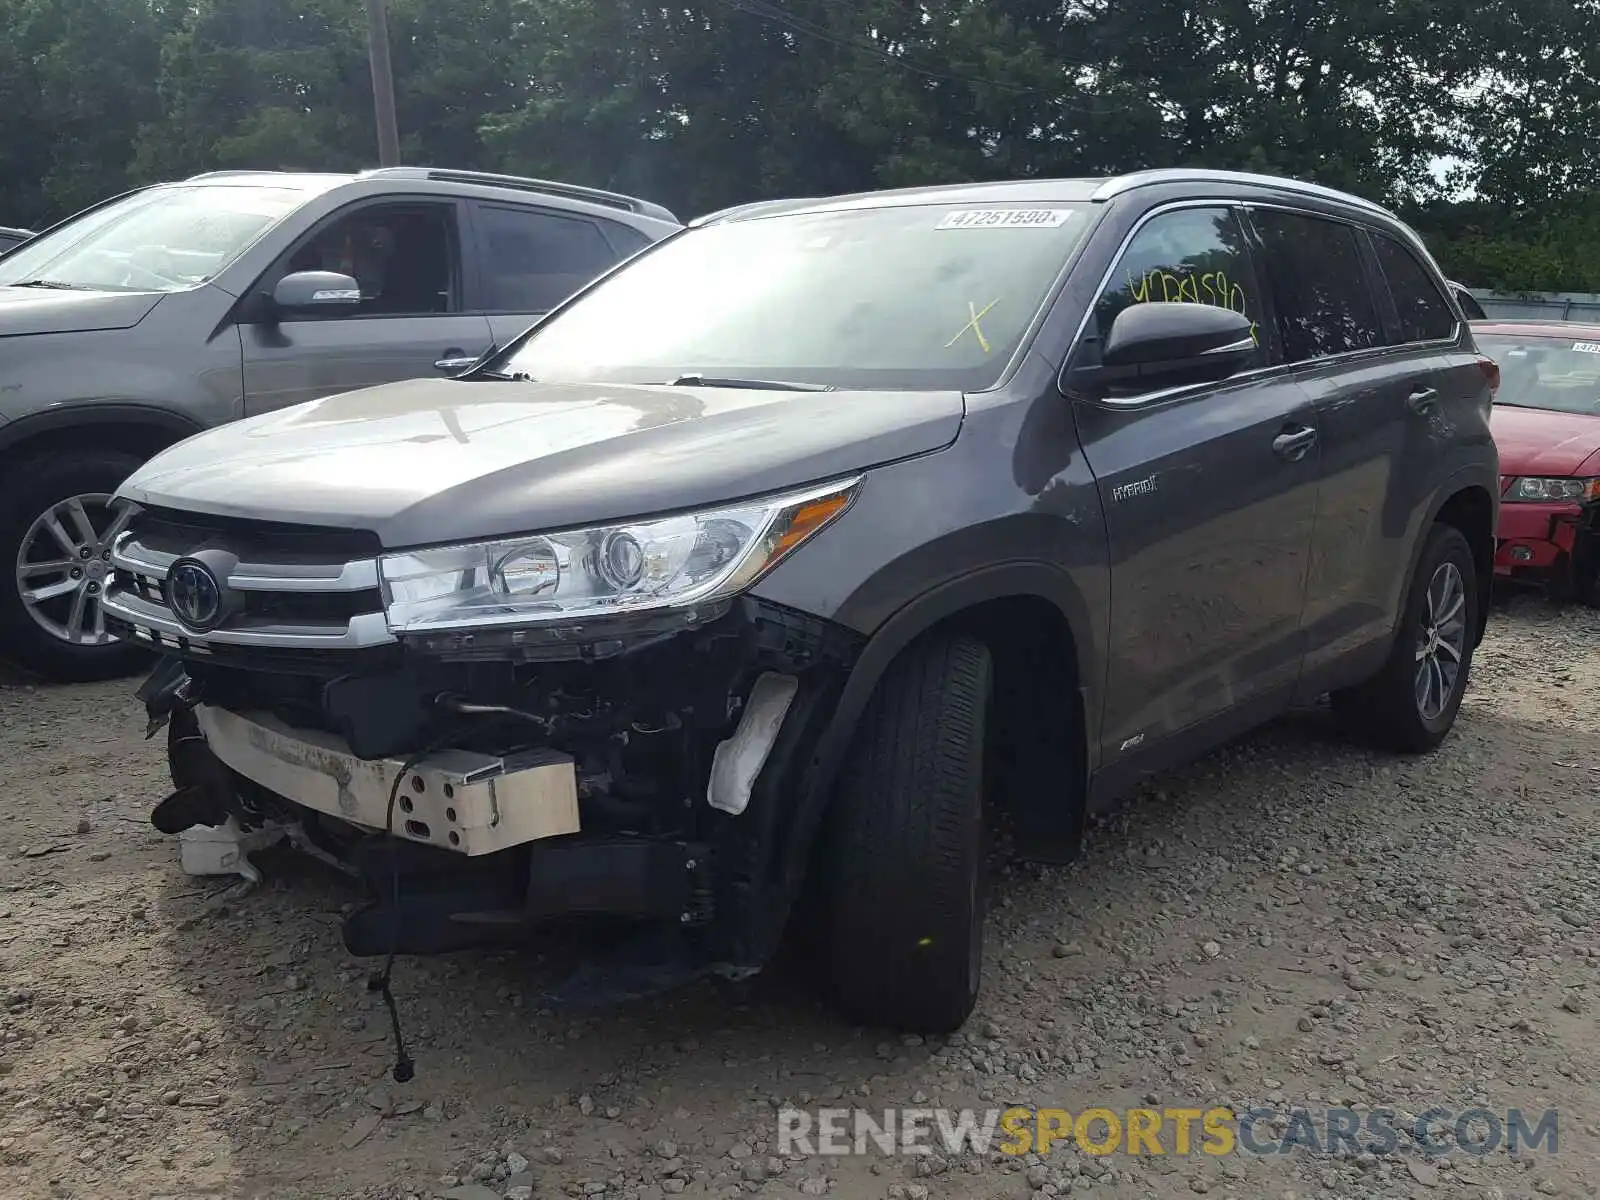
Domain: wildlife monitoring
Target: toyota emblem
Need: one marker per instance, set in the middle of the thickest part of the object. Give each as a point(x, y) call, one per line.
point(195, 595)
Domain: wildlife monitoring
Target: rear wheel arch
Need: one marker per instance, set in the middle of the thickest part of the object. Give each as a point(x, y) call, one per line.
point(1471, 509)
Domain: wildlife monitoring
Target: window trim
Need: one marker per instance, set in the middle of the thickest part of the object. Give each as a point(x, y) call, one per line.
point(1442, 294)
point(251, 308)
point(480, 243)
point(1162, 395)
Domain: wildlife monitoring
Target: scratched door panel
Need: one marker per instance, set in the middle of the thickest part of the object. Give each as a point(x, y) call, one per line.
point(1209, 526)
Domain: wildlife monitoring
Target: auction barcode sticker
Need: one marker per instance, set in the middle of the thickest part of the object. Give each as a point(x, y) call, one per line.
point(1586, 347)
point(1006, 218)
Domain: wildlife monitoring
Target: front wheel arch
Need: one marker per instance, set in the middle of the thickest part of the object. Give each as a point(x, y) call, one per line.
point(986, 603)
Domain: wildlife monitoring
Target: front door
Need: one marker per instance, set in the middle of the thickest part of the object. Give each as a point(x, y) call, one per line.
point(1209, 496)
point(409, 324)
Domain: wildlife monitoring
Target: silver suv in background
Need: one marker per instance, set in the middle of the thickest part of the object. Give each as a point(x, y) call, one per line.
point(160, 313)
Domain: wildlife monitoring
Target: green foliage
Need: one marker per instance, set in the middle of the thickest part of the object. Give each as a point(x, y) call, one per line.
point(706, 103)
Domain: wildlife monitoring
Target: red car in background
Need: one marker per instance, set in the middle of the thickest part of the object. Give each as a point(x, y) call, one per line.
point(1546, 426)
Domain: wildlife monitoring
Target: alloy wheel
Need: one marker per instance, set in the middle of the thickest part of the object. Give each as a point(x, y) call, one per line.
point(63, 565)
point(1441, 641)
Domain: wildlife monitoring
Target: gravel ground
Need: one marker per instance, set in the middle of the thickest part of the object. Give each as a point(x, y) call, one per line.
point(1290, 922)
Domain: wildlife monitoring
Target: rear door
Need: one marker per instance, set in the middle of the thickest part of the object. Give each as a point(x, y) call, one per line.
point(407, 258)
point(1209, 494)
point(1375, 372)
point(531, 259)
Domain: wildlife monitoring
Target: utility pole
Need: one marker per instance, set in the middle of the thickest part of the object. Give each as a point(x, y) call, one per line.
point(382, 83)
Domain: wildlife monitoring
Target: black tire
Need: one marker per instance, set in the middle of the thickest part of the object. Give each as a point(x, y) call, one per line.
point(906, 844)
point(30, 490)
point(1385, 711)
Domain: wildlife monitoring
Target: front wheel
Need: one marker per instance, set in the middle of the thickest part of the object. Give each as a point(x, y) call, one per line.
point(906, 928)
point(1410, 705)
point(56, 530)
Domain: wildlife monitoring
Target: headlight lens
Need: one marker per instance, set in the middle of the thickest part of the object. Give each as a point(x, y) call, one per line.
point(1534, 488)
point(671, 562)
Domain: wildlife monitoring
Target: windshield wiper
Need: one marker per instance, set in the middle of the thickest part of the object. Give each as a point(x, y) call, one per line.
point(771, 385)
point(53, 283)
point(508, 376)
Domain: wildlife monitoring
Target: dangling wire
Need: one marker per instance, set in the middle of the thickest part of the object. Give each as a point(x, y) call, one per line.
point(404, 1067)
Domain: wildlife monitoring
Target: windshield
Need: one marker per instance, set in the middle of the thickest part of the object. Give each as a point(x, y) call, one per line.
point(162, 240)
point(1539, 371)
point(909, 297)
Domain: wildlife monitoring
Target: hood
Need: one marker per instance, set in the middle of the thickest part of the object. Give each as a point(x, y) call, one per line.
point(56, 310)
point(431, 461)
point(1536, 441)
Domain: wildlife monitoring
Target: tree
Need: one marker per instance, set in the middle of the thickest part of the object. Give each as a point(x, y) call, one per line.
point(73, 91)
point(707, 103)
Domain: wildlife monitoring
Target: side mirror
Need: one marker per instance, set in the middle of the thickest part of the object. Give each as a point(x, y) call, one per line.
point(316, 289)
point(1161, 344)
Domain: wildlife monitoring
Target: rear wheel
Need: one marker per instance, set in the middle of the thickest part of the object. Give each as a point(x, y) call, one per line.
point(56, 530)
point(906, 924)
point(1410, 705)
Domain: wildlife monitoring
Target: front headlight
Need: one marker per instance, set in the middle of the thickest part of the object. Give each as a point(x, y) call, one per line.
point(1534, 488)
point(676, 562)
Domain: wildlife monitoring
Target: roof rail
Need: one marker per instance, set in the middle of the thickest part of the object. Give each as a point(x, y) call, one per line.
point(1125, 183)
point(549, 187)
point(227, 174)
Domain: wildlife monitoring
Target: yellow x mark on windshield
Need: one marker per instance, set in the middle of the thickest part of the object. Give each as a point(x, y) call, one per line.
point(974, 315)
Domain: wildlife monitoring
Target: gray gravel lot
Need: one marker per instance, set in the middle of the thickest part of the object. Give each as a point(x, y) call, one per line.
point(1290, 922)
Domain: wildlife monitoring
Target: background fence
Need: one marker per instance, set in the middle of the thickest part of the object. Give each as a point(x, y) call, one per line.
point(1539, 306)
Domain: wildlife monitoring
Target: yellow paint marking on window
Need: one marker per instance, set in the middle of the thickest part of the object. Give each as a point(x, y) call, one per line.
point(974, 315)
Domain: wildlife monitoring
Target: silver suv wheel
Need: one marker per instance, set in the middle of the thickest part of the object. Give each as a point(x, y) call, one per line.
point(62, 566)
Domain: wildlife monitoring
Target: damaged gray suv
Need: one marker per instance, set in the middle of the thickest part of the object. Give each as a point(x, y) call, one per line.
point(730, 596)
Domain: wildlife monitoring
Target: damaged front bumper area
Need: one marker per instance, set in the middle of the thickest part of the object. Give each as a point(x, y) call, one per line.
point(663, 788)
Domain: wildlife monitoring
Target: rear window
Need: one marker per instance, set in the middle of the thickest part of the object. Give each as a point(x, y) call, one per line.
point(1319, 285)
point(1424, 313)
point(1538, 371)
point(537, 259)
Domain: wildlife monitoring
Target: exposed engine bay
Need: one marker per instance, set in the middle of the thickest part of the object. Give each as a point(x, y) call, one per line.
point(660, 786)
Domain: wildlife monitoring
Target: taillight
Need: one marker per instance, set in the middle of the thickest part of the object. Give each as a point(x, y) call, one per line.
point(1491, 373)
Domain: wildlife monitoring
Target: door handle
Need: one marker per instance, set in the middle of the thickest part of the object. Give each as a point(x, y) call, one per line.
point(1421, 400)
point(455, 359)
point(1293, 446)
